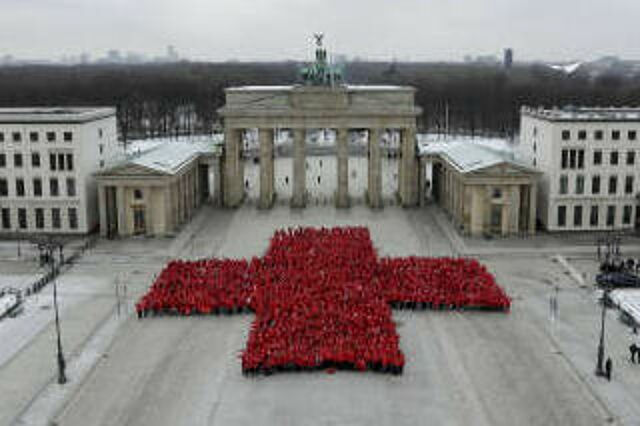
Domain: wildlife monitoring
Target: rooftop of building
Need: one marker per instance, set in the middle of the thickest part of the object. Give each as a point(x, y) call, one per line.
point(572, 113)
point(54, 114)
point(467, 154)
point(165, 155)
point(349, 87)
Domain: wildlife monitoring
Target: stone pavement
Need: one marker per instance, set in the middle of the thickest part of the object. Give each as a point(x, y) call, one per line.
point(463, 368)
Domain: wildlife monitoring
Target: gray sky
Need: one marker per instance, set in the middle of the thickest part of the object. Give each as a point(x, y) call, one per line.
point(281, 29)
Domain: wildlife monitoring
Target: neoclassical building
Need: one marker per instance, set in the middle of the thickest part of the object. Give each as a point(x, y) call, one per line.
point(158, 185)
point(322, 101)
point(485, 190)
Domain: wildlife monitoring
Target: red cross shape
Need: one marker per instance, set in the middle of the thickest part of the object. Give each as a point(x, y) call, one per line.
point(322, 298)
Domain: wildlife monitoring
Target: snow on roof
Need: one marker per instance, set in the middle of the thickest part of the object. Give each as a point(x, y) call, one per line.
point(350, 87)
point(572, 113)
point(166, 155)
point(469, 154)
point(54, 115)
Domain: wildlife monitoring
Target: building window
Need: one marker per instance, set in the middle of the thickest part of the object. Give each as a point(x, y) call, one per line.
point(51, 136)
point(535, 146)
point(20, 187)
point(611, 215)
point(37, 187)
point(628, 185)
point(137, 193)
point(626, 215)
point(53, 187)
point(101, 148)
point(613, 159)
point(39, 218)
point(55, 218)
point(71, 187)
point(613, 184)
point(67, 136)
point(1, 137)
point(3, 160)
point(615, 135)
point(572, 158)
point(631, 158)
point(52, 162)
point(565, 159)
point(562, 215)
point(580, 184)
point(22, 218)
point(581, 158)
point(577, 216)
point(631, 135)
point(33, 136)
point(595, 184)
point(60, 161)
point(564, 184)
point(101, 163)
point(70, 162)
point(17, 160)
point(582, 135)
point(4, 188)
point(73, 218)
point(534, 162)
point(35, 159)
point(597, 157)
point(6, 218)
point(598, 134)
point(17, 137)
point(566, 135)
point(593, 217)
point(100, 133)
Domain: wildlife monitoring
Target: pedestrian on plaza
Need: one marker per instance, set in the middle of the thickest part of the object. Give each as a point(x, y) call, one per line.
point(607, 368)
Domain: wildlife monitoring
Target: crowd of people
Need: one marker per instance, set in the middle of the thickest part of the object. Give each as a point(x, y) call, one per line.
point(322, 298)
point(440, 283)
point(212, 286)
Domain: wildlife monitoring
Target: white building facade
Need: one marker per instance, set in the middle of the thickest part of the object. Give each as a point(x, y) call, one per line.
point(48, 157)
point(589, 159)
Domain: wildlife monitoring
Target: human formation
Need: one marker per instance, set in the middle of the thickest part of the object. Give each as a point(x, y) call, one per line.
point(322, 298)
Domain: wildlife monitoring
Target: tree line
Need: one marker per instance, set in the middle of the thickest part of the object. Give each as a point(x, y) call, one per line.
point(182, 98)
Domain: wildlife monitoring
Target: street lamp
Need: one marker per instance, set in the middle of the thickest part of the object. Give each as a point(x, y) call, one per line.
point(599, 365)
point(50, 247)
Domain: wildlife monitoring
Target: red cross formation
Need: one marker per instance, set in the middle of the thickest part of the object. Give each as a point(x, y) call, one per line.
point(322, 298)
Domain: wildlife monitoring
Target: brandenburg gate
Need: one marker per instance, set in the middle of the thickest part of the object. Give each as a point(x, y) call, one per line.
point(323, 101)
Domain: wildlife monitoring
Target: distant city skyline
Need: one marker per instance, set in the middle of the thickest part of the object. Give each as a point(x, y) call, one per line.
point(415, 30)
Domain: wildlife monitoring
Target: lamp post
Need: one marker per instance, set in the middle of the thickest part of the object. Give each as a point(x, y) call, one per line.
point(50, 246)
point(599, 364)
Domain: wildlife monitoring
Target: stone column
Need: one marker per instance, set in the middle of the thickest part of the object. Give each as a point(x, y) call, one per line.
point(168, 215)
point(233, 176)
point(299, 171)
point(514, 207)
point(408, 168)
point(533, 199)
point(342, 142)
point(218, 180)
point(266, 168)
point(102, 206)
point(122, 214)
point(374, 190)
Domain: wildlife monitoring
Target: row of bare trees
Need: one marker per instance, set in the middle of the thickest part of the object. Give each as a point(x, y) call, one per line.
point(172, 99)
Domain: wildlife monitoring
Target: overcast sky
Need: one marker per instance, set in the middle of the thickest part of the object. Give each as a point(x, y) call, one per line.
point(281, 29)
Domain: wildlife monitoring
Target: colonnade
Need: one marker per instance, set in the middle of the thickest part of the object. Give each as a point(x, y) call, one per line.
point(233, 191)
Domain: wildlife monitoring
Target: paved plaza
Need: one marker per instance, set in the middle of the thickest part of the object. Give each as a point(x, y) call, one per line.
point(525, 367)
